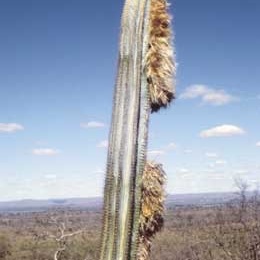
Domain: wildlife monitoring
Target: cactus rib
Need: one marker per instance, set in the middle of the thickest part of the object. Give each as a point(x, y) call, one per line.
point(143, 85)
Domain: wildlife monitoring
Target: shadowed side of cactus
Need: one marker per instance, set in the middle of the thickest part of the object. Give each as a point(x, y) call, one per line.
point(142, 86)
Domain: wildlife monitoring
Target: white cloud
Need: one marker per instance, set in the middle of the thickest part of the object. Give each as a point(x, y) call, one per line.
point(172, 146)
point(254, 182)
point(103, 144)
point(220, 162)
point(211, 155)
point(258, 144)
point(222, 130)
point(45, 151)
point(218, 176)
point(187, 151)
point(92, 124)
point(10, 127)
point(45, 186)
point(99, 171)
point(242, 172)
point(208, 95)
point(156, 152)
point(50, 176)
point(211, 165)
point(183, 170)
point(194, 91)
point(163, 150)
point(187, 176)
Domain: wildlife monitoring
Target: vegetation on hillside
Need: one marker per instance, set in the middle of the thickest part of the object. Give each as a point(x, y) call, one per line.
point(227, 232)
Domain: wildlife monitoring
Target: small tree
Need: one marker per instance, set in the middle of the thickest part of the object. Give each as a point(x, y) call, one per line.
point(255, 204)
point(242, 187)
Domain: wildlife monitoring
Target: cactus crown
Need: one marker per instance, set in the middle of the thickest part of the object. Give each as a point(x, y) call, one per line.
point(159, 61)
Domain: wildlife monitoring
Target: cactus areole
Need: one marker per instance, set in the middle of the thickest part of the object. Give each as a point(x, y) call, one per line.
point(133, 193)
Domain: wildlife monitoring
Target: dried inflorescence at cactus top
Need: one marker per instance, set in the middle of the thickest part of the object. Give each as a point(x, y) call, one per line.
point(160, 65)
point(152, 208)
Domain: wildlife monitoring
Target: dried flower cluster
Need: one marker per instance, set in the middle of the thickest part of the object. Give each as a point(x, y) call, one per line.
point(160, 66)
point(152, 207)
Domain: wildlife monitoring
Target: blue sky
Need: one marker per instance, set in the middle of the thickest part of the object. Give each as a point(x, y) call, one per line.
point(57, 71)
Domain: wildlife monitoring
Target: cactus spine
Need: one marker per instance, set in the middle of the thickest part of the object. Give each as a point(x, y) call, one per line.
point(143, 85)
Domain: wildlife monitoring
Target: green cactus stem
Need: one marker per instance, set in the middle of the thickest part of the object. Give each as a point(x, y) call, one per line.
point(140, 72)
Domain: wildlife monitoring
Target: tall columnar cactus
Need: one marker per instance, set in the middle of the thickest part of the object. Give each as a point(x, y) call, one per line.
point(133, 193)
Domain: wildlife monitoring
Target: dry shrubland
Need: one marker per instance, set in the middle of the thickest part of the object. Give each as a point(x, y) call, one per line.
point(226, 232)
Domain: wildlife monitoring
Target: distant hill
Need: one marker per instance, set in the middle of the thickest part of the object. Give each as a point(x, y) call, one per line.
point(40, 205)
point(199, 199)
point(202, 199)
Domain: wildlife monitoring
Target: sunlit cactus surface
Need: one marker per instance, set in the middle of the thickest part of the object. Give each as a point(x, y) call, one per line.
point(133, 193)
